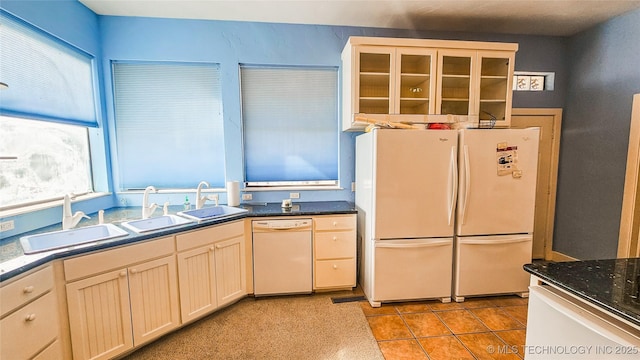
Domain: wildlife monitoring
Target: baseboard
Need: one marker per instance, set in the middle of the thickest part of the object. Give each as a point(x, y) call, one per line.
point(560, 257)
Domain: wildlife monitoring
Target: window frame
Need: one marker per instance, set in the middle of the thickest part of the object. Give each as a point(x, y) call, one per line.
point(333, 184)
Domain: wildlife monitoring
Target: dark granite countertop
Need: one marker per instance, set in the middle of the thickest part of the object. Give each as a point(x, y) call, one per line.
point(14, 262)
point(612, 285)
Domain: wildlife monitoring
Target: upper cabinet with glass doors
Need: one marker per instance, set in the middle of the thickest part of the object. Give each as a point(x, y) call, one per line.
point(423, 81)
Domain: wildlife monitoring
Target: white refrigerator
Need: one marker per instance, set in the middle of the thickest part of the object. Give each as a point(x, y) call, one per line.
point(495, 211)
point(416, 189)
point(405, 195)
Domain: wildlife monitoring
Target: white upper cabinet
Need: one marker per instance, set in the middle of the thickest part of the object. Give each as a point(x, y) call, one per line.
point(423, 81)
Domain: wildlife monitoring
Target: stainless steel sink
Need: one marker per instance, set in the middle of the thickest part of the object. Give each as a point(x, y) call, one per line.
point(211, 213)
point(32, 244)
point(155, 223)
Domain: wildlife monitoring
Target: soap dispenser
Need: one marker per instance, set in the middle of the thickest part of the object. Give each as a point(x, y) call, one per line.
point(187, 204)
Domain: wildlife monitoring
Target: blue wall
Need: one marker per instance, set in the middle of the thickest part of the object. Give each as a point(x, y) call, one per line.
point(232, 43)
point(604, 75)
point(229, 44)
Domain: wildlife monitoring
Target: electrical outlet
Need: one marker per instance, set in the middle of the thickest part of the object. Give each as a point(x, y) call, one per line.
point(247, 197)
point(294, 195)
point(7, 225)
point(353, 186)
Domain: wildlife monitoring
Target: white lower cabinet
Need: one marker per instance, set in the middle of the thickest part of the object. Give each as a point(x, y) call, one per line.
point(213, 273)
point(334, 240)
point(111, 312)
point(29, 324)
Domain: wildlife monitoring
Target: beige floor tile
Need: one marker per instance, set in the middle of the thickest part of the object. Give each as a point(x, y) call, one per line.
point(496, 319)
point(461, 321)
point(445, 348)
point(417, 307)
point(401, 350)
point(510, 301)
point(440, 306)
point(388, 327)
point(425, 324)
point(382, 310)
point(487, 346)
point(517, 312)
point(474, 303)
point(514, 338)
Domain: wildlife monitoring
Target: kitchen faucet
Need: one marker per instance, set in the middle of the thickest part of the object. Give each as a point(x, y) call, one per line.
point(147, 210)
point(70, 221)
point(200, 200)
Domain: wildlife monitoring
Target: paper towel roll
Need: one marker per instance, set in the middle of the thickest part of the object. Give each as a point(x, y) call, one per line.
point(233, 193)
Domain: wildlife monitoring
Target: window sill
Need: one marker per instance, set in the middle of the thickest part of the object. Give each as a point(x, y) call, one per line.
point(47, 205)
point(293, 187)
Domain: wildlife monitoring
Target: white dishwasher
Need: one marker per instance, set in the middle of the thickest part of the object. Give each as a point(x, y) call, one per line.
point(282, 259)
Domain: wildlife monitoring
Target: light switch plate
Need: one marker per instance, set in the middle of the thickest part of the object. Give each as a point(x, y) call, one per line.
point(247, 197)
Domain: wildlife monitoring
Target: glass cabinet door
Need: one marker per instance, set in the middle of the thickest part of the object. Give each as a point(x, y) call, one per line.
point(374, 80)
point(415, 76)
point(455, 82)
point(495, 88)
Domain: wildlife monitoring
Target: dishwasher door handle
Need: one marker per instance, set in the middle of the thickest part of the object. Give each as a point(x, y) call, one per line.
point(282, 225)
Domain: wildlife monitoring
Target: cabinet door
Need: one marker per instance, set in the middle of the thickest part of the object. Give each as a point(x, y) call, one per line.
point(230, 262)
point(495, 80)
point(415, 71)
point(374, 82)
point(99, 316)
point(154, 298)
point(456, 90)
point(197, 278)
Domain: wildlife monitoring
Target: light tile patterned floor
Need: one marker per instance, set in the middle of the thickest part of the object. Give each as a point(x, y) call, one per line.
point(478, 328)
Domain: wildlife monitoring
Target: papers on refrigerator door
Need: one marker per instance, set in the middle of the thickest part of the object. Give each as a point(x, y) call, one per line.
point(507, 160)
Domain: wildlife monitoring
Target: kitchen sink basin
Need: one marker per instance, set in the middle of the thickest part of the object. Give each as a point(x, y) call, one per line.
point(32, 244)
point(211, 213)
point(155, 223)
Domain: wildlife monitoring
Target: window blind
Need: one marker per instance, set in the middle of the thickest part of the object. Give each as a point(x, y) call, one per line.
point(168, 124)
point(290, 120)
point(48, 79)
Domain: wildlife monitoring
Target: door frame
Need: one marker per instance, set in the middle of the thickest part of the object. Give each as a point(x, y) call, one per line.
point(628, 242)
point(556, 113)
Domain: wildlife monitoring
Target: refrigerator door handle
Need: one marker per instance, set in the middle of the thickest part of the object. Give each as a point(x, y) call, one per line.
point(413, 245)
point(453, 183)
point(494, 241)
point(467, 183)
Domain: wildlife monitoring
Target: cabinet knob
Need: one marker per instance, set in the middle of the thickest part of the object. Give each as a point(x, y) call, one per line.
point(335, 223)
point(335, 238)
point(27, 289)
point(212, 248)
point(218, 246)
point(335, 267)
point(123, 273)
point(133, 271)
point(30, 317)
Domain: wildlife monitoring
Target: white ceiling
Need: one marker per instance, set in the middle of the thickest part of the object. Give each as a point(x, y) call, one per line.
point(535, 17)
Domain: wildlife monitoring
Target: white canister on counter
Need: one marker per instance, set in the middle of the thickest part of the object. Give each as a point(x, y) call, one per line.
point(233, 193)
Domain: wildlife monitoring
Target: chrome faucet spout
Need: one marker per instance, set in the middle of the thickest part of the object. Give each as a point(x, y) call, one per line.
point(69, 221)
point(147, 210)
point(200, 200)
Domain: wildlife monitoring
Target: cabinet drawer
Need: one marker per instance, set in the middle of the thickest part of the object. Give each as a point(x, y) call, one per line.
point(52, 352)
point(335, 273)
point(335, 244)
point(24, 290)
point(203, 237)
point(344, 222)
point(30, 329)
point(104, 261)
